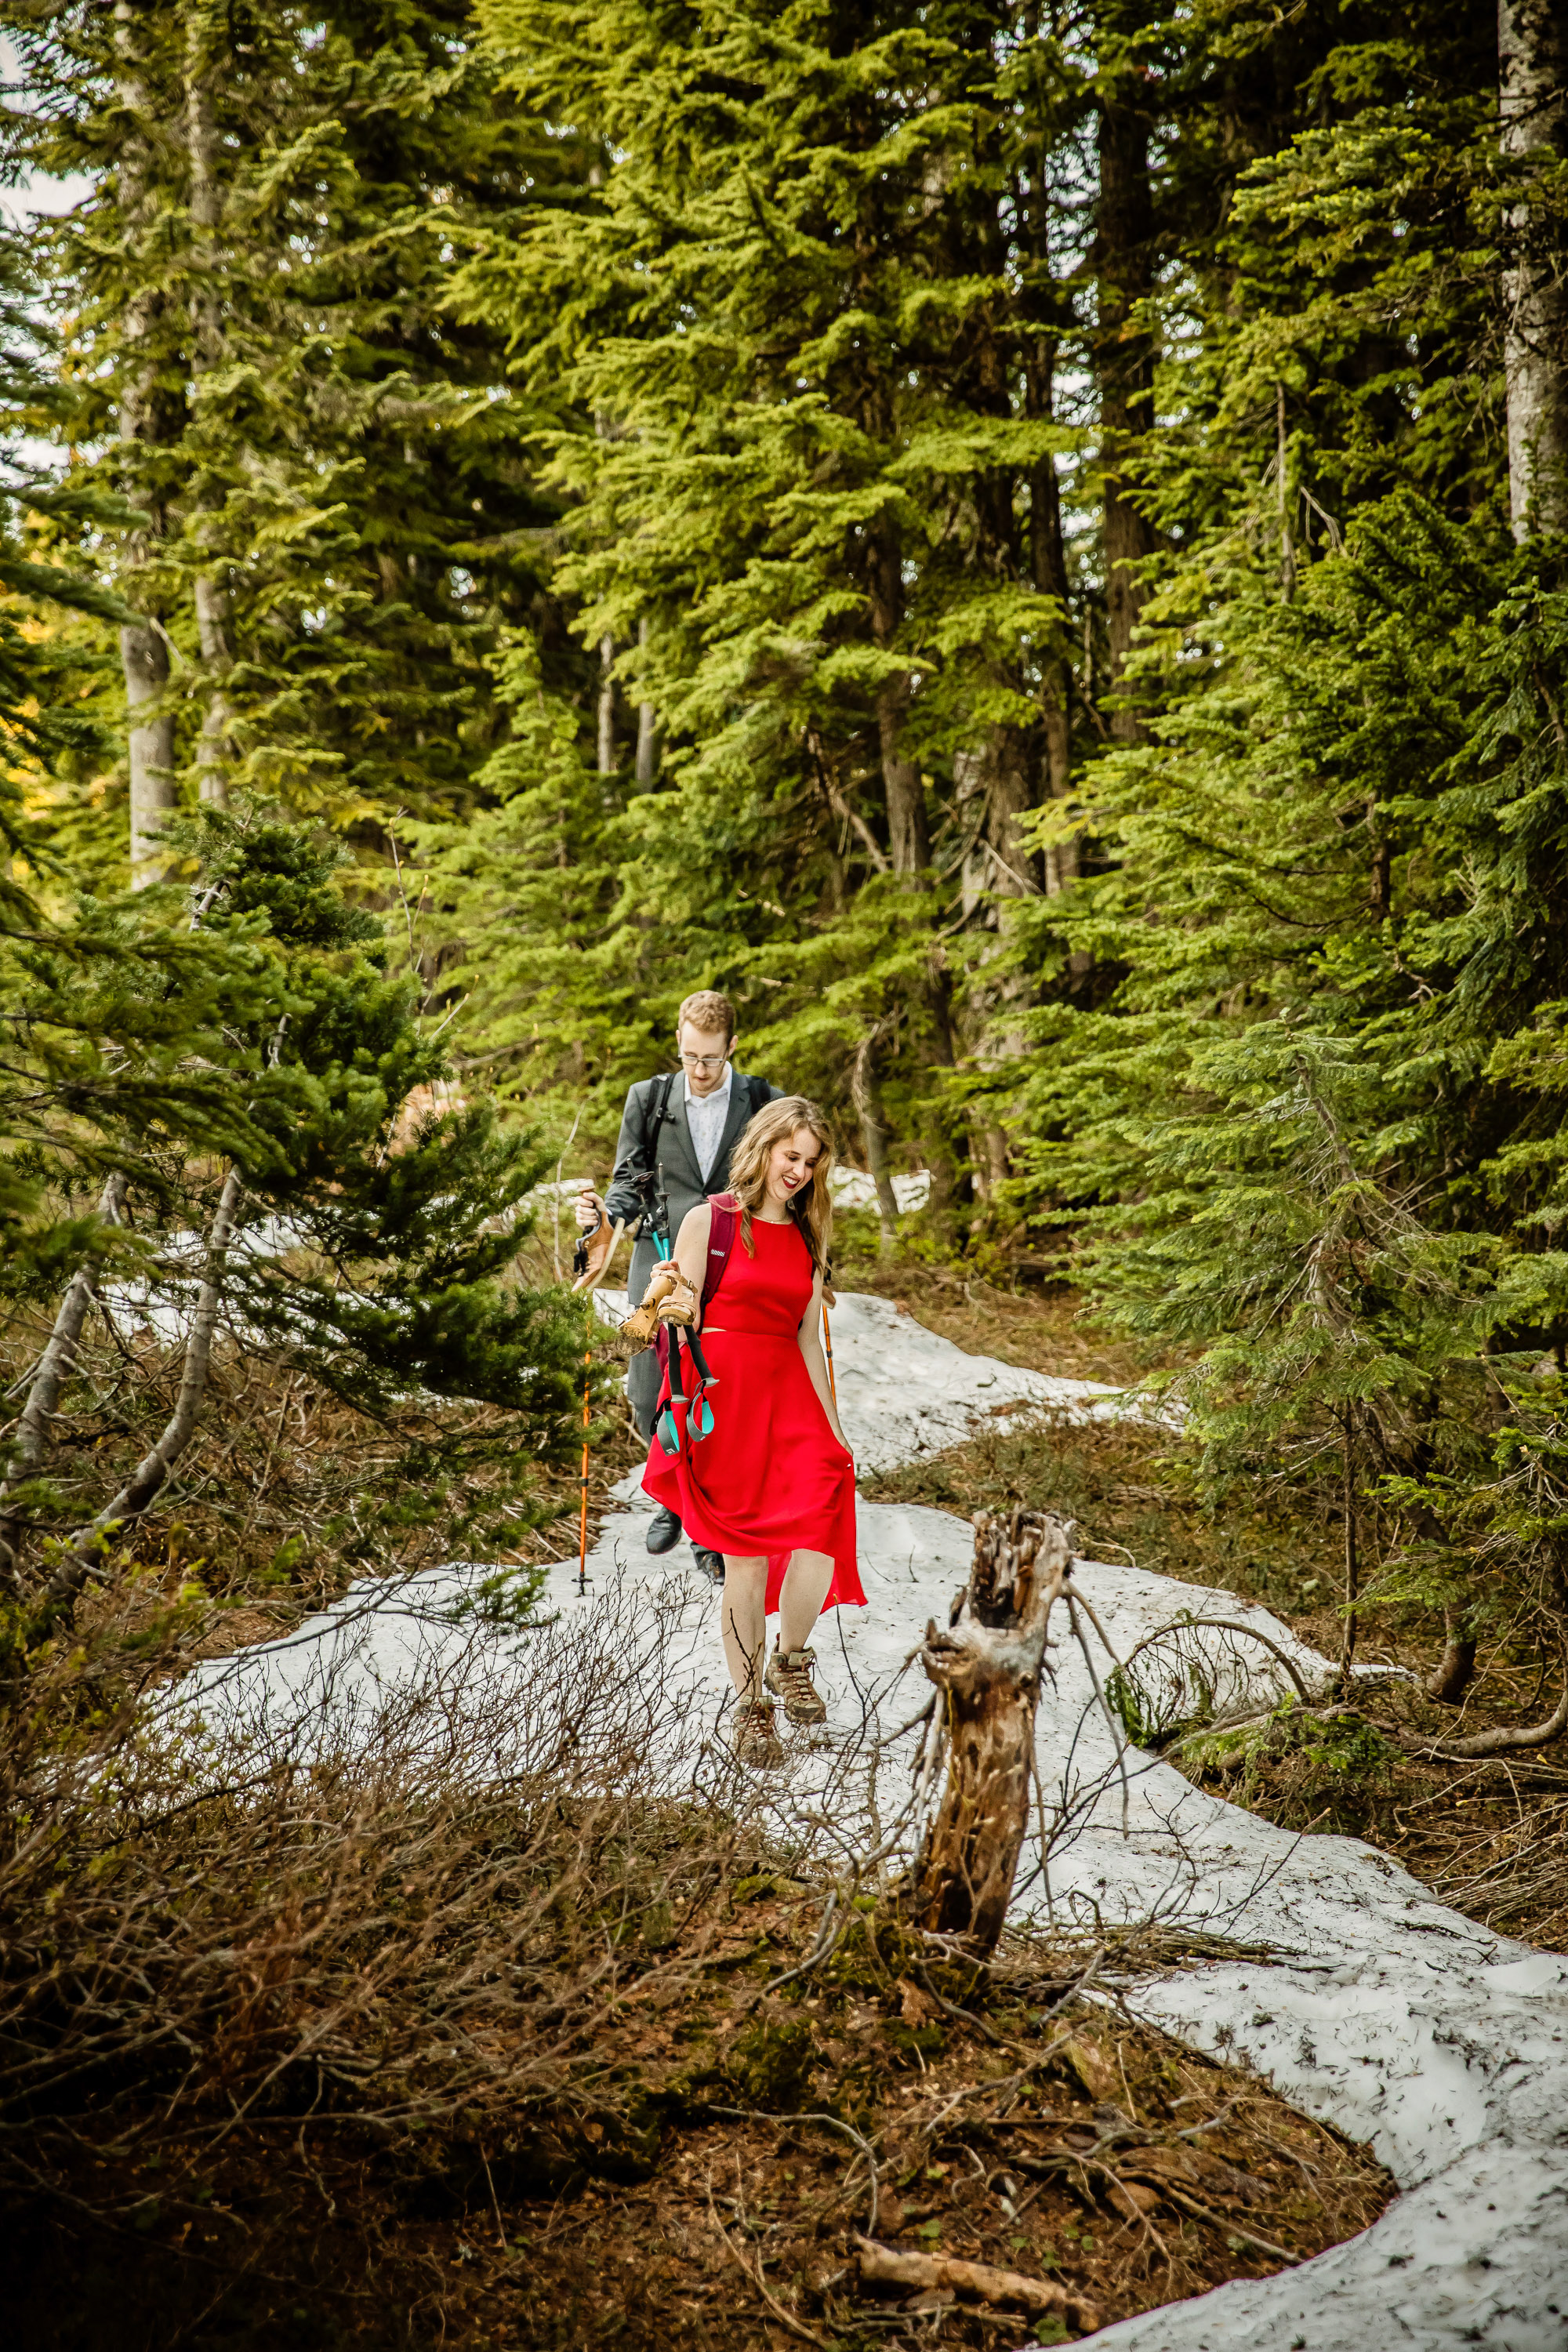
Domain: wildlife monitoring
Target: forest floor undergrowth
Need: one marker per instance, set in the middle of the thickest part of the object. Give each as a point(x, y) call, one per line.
point(286, 1470)
point(720, 2197)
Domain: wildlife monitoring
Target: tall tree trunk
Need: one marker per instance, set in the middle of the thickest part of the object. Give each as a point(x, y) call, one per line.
point(1283, 485)
point(647, 727)
point(868, 1102)
point(996, 776)
point(1048, 569)
point(606, 706)
point(909, 845)
point(909, 839)
point(213, 749)
point(1012, 754)
point(1532, 104)
point(971, 783)
point(1059, 860)
point(143, 651)
point(212, 601)
point(1123, 362)
point(1012, 795)
point(990, 805)
point(144, 661)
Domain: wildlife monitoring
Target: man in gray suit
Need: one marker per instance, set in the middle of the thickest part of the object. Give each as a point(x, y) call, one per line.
point(679, 1129)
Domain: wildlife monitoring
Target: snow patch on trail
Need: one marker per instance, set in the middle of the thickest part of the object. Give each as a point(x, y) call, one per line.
point(1377, 2007)
point(1473, 2258)
point(904, 1392)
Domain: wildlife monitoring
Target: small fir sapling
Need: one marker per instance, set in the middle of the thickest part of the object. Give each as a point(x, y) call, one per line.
point(376, 1260)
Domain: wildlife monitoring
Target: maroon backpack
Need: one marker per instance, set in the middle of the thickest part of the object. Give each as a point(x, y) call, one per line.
point(723, 1226)
point(721, 1230)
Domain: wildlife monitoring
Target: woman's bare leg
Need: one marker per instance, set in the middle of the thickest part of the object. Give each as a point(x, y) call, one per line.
point(806, 1580)
point(745, 1627)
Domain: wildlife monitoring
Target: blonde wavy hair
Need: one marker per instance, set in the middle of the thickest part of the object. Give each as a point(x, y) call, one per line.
point(811, 1209)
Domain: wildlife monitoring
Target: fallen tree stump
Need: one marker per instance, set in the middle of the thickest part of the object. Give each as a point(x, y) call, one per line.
point(987, 1666)
point(982, 2282)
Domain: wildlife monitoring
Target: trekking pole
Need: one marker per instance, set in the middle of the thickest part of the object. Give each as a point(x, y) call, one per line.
point(582, 1520)
point(616, 1231)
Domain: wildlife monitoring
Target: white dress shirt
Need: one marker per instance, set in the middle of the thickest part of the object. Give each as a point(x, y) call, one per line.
point(706, 1116)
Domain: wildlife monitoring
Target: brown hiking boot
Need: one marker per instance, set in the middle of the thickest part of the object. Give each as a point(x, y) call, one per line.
point(789, 1677)
point(752, 1734)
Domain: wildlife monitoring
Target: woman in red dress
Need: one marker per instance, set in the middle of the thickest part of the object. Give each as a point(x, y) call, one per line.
point(771, 1486)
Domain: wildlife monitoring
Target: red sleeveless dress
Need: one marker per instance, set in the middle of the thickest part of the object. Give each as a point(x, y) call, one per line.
point(771, 1478)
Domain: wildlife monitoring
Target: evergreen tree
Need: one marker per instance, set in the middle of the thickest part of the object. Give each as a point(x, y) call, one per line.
point(833, 514)
point(812, 326)
point(1345, 842)
point(335, 509)
point(245, 1087)
point(42, 678)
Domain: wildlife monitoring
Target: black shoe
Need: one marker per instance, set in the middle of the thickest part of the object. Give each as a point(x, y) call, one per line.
point(663, 1530)
point(711, 1563)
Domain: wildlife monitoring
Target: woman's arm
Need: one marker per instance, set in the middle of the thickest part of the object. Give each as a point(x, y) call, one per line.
point(816, 1363)
point(691, 1248)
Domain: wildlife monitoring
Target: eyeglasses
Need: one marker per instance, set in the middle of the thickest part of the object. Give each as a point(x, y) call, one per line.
point(703, 1061)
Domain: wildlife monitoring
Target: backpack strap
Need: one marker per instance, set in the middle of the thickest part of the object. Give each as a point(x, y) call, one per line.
point(722, 1228)
point(656, 1111)
point(659, 1112)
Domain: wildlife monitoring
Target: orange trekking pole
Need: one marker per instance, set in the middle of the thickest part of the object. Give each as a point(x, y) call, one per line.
point(582, 1525)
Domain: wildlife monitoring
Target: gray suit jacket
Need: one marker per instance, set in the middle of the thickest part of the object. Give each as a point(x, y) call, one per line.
point(670, 1152)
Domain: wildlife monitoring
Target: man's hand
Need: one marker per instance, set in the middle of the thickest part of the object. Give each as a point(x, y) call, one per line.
point(590, 1211)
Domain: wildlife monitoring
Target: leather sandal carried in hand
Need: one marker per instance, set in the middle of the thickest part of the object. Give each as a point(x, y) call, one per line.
point(592, 1253)
point(669, 1298)
point(678, 1303)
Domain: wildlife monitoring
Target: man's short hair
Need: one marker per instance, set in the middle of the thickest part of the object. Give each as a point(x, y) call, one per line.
point(707, 1011)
